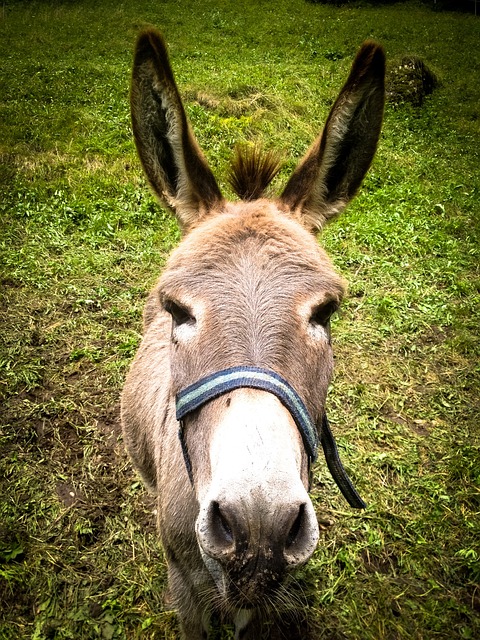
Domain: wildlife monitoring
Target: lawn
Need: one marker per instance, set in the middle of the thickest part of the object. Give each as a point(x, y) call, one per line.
point(82, 240)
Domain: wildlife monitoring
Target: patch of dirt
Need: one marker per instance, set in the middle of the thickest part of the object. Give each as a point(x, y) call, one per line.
point(109, 425)
point(417, 426)
point(384, 563)
point(68, 494)
point(10, 283)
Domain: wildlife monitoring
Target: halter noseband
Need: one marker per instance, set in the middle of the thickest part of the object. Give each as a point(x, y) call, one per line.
point(196, 395)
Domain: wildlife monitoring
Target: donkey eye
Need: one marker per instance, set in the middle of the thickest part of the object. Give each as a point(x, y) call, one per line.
point(322, 313)
point(180, 314)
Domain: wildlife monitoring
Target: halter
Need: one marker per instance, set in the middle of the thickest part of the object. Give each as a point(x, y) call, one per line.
point(196, 395)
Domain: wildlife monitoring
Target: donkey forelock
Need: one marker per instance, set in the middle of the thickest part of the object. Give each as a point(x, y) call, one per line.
point(252, 170)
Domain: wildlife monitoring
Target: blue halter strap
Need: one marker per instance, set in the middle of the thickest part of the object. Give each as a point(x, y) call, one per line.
point(196, 395)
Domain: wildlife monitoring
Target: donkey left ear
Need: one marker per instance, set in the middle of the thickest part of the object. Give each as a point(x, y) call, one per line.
point(332, 170)
point(170, 155)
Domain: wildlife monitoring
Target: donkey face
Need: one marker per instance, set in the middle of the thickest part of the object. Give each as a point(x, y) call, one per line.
point(247, 287)
point(250, 287)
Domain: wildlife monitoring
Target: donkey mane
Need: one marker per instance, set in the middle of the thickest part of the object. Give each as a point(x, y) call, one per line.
point(252, 170)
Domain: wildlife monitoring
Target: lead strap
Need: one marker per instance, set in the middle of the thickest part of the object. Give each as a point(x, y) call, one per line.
point(336, 467)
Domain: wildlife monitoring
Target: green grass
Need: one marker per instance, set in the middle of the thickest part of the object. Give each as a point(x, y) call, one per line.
point(82, 240)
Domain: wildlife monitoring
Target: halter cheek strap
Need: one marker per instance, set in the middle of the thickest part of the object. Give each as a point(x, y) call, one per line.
point(196, 395)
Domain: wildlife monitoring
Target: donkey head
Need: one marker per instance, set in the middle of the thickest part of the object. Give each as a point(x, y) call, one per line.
point(249, 287)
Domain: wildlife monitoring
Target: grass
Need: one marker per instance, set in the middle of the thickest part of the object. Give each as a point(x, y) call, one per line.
point(82, 241)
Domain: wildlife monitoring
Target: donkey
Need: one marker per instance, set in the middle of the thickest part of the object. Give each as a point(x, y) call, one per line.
point(224, 404)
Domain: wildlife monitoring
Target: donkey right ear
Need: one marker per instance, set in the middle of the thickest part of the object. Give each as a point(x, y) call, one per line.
point(171, 158)
point(331, 172)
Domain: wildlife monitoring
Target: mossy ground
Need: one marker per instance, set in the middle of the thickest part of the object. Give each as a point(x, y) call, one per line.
point(82, 240)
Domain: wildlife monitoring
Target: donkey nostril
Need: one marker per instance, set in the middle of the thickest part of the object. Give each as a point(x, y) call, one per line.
point(296, 527)
point(216, 530)
point(220, 527)
point(302, 536)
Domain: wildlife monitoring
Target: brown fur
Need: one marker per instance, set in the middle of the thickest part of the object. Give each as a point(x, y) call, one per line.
point(246, 286)
point(252, 171)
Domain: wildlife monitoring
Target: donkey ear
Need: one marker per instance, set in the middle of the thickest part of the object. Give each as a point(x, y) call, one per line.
point(170, 155)
point(332, 170)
